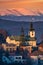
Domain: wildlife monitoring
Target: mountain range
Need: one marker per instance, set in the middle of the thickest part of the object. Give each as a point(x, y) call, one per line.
point(28, 18)
point(21, 15)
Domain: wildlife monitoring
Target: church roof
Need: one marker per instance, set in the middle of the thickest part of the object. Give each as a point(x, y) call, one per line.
point(10, 44)
point(17, 38)
point(24, 44)
point(32, 39)
point(27, 38)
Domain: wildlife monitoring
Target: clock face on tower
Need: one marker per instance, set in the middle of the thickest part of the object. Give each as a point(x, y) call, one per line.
point(32, 33)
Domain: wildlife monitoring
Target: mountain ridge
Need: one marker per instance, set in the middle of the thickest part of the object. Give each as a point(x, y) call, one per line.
point(31, 18)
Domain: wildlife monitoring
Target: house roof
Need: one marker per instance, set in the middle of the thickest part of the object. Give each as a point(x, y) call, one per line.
point(41, 44)
point(36, 53)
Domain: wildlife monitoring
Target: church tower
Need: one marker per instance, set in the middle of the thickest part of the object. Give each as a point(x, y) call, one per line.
point(32, 40)
point(22, 35)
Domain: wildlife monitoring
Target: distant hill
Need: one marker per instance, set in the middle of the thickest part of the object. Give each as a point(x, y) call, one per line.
point(28, 18)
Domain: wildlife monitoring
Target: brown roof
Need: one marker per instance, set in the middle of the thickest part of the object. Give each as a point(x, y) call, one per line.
point(41, 45)
point(36, 53)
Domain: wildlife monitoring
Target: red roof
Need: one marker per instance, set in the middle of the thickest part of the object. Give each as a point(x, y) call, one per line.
point(41, 45)
point(36, 53)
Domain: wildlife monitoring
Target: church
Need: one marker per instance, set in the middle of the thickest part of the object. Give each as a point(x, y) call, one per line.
point(23, 41)
point(29, 41)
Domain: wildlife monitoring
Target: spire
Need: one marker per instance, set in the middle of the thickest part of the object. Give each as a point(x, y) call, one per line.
point(31, 26)
point(22, 31)
point(22, 34)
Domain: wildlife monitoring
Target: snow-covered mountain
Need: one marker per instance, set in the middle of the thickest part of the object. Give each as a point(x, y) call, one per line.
point(22, 18)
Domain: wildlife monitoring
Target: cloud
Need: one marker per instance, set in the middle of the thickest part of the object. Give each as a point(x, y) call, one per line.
point(21, 12)
point(21, 6)
point(24, 0)
point(27, 4)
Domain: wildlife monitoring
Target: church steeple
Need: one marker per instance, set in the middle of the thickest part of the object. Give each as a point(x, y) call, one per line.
point(32, 40)
point(22, 31)
point(32, 31)
point(22, 34)
point(31, 26)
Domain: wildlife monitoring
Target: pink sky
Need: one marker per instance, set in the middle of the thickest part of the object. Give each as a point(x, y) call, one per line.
point(24, 7)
